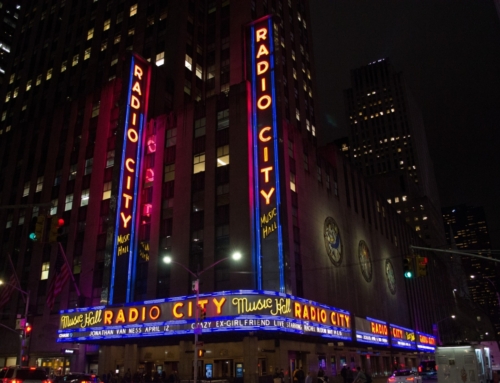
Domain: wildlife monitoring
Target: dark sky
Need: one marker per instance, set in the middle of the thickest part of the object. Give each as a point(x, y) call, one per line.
point(449, 53)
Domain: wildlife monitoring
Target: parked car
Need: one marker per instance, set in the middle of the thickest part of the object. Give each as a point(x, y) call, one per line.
point(404, 376)
point(80, 377)
point(20, 374)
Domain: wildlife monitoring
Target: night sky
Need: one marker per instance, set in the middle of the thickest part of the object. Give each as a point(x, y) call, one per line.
point(449, 53)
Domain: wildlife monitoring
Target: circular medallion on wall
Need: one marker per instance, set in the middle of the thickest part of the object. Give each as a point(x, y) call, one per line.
point(333, 242)
point(391, 277)
point(365, 260)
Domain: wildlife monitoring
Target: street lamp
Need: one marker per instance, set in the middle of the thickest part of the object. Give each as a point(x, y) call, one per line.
point(23, 335)
point(435, 327)
point(236, 256)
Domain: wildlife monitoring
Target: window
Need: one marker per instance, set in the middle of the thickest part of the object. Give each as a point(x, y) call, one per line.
point(26, 190)
point(290, 149)
point(90, 33)
point(95, 109)
point(169, 173)
point(223, 155)
point(38, 80)
point(104, 46)
point(222, 194)
point(88, 166)
point(117, 39)
point(171, 137)
point(75, 60)
point(199, 71)
point(106, 191)
point(199, 163)
point(107, 24)
point(292, 182)
point(68, 204)
point(53, 207)
point(72, 172)
point(396, 199)
point(28, 85)
point(45, 271)
point(85, 197)
point(49, 74)
point(133, 10)
point(404, 198)
point(200, 127)
point(110, 159)
point(223, 119)
point(39, 184)
point(297, 114)
point(188, 62)
point(86, 55)
point(64, 66)
point(160, 59)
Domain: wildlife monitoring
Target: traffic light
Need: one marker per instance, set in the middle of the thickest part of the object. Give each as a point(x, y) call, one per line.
point(408, 267)
point(422, 266)
point(201, 353)
point(56, 225)
point(37, 235)
point(203, 313)
point(27, 330)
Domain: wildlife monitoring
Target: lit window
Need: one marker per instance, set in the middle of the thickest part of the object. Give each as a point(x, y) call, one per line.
point(39, 184)
point(199, 71)
point(404, 198)
point(26, 190)
point(396, 199)
point(389, 200)
point(7, 97)
point(199, 163)
point(64, 66)
point(417, 228)
point(107, 24)
point(297, 114)
point(45, 271)
point(110, 159)
point(95, 109)
point(293, 55)
point(294, 72)
point(53, 207)
point(223, 155)
point(11, 78)
point(90, 33)
point(313, 130)
point(68, 203)
point(85, 197)
point(4, 115)
point(86, 56)
point(133, 10)
point(308, 125)
point(16, 92)
point(171, 137)
point(88, 166)
point(104, 45)
point(200, 127)
point(106, 190)
point(72, 172)
point(292, 182)
point(223, 119)
point(169, 172)
point(114, 61)
point(160, 59)
point(28, 85)
point(131, 31)
point(424, 218)
point(75, 60)
point(188, 62)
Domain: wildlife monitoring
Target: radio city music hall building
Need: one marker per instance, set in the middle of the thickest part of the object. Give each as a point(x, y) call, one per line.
point(196, 142)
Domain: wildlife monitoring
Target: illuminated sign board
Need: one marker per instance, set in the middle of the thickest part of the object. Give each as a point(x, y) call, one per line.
point(371, 330)
point(243, 310)
point(264, 164)
point(402, 337)
point(127, 214)
point(426, 342)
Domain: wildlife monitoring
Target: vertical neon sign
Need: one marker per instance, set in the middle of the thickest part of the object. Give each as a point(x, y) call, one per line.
point(265, 179)
point(125, 235)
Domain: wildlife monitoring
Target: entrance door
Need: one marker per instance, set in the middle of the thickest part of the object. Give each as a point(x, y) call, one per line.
point(223, 368)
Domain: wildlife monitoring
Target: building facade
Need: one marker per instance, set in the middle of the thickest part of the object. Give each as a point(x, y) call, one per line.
point(187, 129)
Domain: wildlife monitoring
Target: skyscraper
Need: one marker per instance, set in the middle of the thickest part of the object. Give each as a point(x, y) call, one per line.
point(187, 129)
point(469, 228)
point(388, 144)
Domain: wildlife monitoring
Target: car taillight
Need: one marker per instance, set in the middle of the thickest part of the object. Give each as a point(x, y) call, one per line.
point(46, 381)
point(410, 379)
point(15, 381)
point(85, 381)
point(392, 379)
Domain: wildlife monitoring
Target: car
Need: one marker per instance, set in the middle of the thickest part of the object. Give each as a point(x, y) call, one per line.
point(21, 374)
point(80, 377)
point(404, 376)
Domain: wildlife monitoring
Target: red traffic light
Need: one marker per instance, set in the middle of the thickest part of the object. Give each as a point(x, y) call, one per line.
point(60, 222)
point(27, 329)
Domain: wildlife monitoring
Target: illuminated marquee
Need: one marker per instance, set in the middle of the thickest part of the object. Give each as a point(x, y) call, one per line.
point(264, 175)
point(244, 310)
point(426, 342)
point(371, 330)
point(125, 240)
point(402, 337)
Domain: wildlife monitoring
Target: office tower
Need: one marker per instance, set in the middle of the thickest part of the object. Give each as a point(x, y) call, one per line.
point(467, 230)
point(187, 129)
point(388, 144)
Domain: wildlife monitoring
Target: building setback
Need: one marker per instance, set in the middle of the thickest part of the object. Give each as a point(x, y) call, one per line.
point(227, 161)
